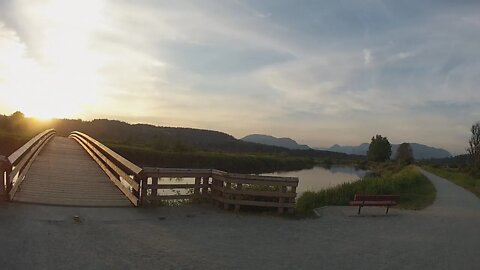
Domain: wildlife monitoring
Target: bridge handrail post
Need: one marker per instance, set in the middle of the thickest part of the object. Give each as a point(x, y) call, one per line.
point(141, 180)
point(5, 170)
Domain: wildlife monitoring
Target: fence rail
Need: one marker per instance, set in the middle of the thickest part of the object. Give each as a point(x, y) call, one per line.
point(221, 187)
point(14, 168)
point(153, 188)
point(121, 172)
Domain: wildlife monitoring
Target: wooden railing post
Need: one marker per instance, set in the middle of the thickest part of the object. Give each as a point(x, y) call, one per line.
point(141, 180)
point(228, 186)
point(196, 190)
point(238, 197)
point(292, 199)
point(5, 170)
point(205, 183)
point(281, 199)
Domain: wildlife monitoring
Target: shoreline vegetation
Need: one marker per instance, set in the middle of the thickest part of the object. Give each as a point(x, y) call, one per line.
point(250, 163)
point(415, 190)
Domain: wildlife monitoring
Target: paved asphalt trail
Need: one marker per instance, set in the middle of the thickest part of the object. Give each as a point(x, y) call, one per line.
point(446, 235)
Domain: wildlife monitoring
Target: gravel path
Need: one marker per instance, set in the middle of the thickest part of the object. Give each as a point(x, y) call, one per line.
point(443, 236)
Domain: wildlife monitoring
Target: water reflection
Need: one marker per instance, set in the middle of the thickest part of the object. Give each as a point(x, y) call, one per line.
point(320, 178)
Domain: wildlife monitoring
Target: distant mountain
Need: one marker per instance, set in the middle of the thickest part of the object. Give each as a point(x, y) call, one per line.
point(420, 151)
point(270, 140)
point(351, 150)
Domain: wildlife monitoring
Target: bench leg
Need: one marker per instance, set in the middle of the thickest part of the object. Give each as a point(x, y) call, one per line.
point(386, 212)
point(359, 208)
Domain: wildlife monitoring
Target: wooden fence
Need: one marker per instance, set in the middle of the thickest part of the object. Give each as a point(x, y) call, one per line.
point(195, 184)
point(227, 189)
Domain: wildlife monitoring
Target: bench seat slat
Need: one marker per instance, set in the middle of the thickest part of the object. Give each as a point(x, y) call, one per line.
point(360, 197)
point(373, 203)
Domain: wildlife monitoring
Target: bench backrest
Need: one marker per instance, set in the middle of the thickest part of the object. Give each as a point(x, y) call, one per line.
point(359, 197)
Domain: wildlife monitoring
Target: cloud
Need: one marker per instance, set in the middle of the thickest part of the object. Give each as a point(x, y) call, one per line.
point(367, 56)
point(322, 72)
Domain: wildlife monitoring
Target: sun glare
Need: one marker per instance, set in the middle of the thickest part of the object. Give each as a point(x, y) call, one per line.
point(64, 81)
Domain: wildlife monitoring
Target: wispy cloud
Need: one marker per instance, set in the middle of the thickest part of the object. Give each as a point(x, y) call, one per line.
point(323, 72)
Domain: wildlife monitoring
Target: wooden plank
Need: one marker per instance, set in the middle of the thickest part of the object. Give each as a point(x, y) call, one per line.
point(15, 157)
point(169, 197)
point(360, 197)
point(112, 177)
point(262, 177)
point(134, 169)
point(260, 182)
point(176, 172)
point(255, 192)
point(110, 164)
point(63, 194)
point(172, 186)
point(37, 149)
point(74, 202)
point(64, 174)
point(254, 203)
point(27, 156)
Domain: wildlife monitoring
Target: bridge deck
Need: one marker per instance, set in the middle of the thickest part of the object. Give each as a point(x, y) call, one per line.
point(64, 174)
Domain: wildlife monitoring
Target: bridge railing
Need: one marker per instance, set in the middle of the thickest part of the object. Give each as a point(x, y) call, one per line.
point(151, 186)
point(14, 168)
point(123, 173)
point(227, 189)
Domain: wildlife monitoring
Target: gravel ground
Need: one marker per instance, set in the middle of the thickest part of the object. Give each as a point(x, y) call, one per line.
point(443, 236)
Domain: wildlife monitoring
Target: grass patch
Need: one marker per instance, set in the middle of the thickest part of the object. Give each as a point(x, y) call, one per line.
point(415, 190)
point(458, 176)
point(231, 162)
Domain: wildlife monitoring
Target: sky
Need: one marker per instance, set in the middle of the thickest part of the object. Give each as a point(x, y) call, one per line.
point(320, 72)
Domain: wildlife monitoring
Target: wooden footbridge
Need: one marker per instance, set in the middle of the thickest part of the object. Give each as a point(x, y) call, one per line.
point(80, 171)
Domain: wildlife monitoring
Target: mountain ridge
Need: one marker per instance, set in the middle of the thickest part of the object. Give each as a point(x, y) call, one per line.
point(420, 151)
point(274, 141)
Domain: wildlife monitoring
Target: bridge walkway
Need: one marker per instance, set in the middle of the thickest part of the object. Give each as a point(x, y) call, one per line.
point(64, 174)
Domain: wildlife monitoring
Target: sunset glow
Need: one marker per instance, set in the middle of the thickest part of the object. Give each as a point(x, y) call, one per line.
point(63, 80)
point(321, 72)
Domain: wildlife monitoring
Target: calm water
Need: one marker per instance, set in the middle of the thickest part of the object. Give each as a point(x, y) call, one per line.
point(320, 178)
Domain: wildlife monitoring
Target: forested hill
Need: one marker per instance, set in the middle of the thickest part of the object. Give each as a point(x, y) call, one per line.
point(170, 139)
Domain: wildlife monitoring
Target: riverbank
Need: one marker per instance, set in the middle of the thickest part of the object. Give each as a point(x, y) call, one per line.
point(415, 190)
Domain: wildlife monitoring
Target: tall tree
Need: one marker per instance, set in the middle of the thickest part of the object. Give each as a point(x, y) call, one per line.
point(474, 145)
point(404, 154)
point(380, 149)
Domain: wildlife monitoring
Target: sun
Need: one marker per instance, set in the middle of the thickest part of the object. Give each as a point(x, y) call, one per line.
point(64, 79)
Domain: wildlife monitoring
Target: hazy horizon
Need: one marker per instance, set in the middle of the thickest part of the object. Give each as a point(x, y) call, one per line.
point(321, 73)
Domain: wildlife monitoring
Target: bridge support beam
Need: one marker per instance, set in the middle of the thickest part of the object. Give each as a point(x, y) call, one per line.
point(5, 170)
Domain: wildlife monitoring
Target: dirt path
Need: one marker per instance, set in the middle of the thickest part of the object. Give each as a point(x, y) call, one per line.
point(443, 236)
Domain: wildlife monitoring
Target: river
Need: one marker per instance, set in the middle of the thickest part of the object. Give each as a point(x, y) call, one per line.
point(319, 178)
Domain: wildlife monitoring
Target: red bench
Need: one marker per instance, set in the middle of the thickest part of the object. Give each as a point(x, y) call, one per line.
point(374, 200)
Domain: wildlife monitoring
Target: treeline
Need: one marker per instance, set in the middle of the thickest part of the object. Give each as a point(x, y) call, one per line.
point(149, 145)
point(231, 162)
point(172, 139)
point(16, 130)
